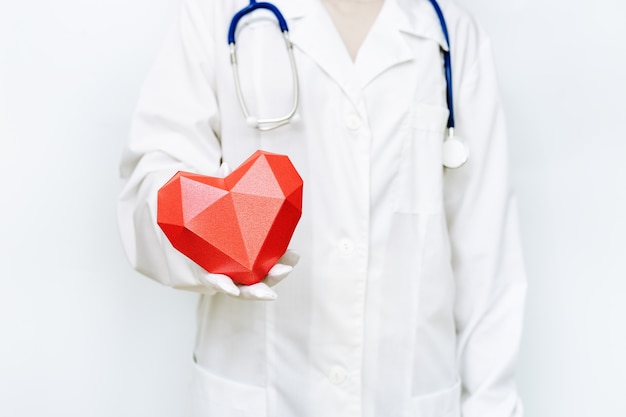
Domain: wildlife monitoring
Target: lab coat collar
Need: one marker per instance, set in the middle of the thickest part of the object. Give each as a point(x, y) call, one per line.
point(388, 42)
point(418, 18)
point(313, 32)
point(386, 45)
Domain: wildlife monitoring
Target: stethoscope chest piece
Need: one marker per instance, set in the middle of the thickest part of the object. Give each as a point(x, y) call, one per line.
point(454, 153)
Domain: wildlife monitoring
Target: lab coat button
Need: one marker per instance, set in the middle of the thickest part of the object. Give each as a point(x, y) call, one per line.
point(353, 122)
point(346, 247)
point(337, 375)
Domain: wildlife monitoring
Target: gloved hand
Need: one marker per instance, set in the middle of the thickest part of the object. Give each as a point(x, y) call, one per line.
point(260, 291)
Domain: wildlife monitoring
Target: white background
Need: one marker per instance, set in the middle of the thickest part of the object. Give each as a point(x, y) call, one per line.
point(83, 335)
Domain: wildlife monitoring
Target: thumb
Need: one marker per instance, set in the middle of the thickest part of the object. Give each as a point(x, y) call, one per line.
point(224, 170)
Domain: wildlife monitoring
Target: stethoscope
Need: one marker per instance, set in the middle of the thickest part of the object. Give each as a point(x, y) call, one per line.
point(454, 151)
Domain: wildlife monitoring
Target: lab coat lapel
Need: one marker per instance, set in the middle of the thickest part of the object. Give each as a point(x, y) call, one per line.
point(384, 46)
point(388, 42)
point(314, 34)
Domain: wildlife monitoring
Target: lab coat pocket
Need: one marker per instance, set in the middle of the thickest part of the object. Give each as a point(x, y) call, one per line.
point(213, 395)
point(444, 403)
point(418, 186)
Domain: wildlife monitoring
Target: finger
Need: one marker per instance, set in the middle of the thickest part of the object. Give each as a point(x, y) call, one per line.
point(226, 285)
point(290, 258)
point(220, 283)
point(224, 170)
point(277, 274)
point(259, 291)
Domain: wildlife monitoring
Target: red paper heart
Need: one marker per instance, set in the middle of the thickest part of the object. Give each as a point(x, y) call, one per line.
point(239, 225)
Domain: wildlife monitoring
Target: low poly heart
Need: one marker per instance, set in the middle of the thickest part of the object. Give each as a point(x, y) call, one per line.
point(239, 225)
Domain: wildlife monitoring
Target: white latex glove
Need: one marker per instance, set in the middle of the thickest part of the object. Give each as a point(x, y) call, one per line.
point(260, 291)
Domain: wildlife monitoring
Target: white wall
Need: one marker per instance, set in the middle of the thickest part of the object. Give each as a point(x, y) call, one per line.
point(562, 67)
point(82, 335)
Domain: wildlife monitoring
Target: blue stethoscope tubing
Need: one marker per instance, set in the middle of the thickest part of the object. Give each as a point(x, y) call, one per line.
point(249, 9)
point(454, 150)
point(447, 62)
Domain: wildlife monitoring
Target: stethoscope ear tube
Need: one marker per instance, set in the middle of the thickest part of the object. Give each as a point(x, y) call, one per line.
point(252, 121)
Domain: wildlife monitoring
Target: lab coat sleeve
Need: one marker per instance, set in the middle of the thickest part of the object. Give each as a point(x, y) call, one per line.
point(485, 241)
point(174, 128)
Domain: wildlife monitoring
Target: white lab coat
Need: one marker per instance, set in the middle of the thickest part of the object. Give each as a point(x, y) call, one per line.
point(408, 298)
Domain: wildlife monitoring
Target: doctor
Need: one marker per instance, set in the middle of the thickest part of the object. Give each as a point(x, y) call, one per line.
point(408, 296)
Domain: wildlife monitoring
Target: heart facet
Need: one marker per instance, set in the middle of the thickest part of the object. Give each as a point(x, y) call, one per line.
point(239, 225)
